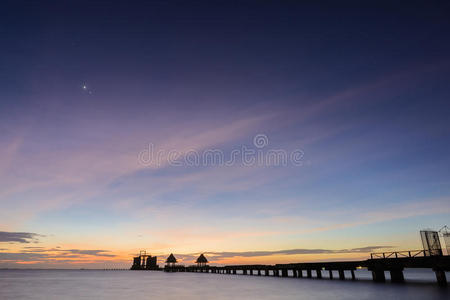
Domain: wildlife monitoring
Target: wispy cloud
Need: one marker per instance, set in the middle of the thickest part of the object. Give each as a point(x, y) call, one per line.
point(220, 255)
point(19, 237)
point(51, 256)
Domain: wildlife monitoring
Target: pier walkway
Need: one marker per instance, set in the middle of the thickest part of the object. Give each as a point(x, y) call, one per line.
point(378, 264)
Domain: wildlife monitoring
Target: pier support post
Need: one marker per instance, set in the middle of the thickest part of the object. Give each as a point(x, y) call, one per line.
point(300, 273)
point(397, 275)
point(259, 272)
point(308, 273)
point(353, 275)
point(378, 275)
point(331, 273)
point(284, 273)
point(245, 271)
point(319, 273)
point(294, 273)
point(440, 276)
point(277, 272)
point(234, 271)
point(266, 272)
point(341, 275)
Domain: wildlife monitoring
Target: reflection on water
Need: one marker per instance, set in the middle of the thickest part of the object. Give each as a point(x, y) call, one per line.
point(93, 284)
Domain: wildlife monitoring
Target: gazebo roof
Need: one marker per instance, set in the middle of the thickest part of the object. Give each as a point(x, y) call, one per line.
point(201, 259)
point(171, 259)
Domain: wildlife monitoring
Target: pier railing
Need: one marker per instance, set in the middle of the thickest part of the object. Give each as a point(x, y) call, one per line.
point(402, 254)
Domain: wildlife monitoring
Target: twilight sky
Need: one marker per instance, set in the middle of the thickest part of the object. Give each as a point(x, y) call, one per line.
point(355, 94)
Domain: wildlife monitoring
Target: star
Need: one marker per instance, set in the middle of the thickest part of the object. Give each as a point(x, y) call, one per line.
point(86, 89)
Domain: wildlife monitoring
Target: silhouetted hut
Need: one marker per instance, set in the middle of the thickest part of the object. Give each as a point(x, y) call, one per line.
point(201, 261)
point(171, 260)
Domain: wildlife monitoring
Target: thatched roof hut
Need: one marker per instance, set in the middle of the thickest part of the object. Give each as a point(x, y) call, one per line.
point(201, 260)
point(171, 259)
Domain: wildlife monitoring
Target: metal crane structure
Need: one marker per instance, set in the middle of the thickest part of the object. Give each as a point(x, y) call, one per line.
point(445, 233)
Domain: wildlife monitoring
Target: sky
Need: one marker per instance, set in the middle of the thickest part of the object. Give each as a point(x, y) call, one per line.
point(251, 131)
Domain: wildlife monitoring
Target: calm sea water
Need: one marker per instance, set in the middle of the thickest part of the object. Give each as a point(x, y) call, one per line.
point(134, 285)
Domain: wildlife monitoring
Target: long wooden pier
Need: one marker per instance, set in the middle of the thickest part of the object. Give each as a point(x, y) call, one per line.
point(378, 264)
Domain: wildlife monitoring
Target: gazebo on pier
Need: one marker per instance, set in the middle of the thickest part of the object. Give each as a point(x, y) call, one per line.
point(171, 261)
point(201, 261)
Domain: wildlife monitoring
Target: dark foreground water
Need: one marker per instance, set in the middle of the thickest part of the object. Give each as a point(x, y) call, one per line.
point(135, 285)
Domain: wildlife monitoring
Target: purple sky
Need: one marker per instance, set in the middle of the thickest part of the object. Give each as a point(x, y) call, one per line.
point(360, 91)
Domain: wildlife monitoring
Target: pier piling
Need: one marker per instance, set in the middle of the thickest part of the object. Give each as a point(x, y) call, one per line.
point(378, 275)
point(397, 275)
point(441, 278)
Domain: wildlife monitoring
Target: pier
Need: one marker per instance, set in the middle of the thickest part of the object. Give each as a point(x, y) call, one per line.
point(378, 264)
point(345, 270)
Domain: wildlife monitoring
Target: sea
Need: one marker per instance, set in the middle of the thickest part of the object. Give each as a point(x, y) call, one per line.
point(135, 285)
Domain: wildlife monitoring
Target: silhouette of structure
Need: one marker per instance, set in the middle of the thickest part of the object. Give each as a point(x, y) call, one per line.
point(171, 261)
point(145, 262)
point(430, 257)
point(445, 231)
point(151, 263)
point(431, 243)
point(201, 261)
point(171, 265)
